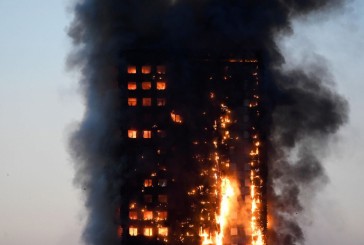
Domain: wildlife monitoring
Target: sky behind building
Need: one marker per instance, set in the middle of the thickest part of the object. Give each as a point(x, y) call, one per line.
point(40, 101)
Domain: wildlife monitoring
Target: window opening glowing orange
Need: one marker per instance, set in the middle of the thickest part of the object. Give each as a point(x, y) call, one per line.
point(133, 231)
point(132, 101)
point(147, 134)
point(146, 69)
point(132, 69)
point(146, 85)
point(132, 133)
point(132, 85)
point(161, 85)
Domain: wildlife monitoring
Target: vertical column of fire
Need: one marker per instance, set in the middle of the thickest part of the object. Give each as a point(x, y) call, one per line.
point(223, 183)
point(222, 188)
point(256, 178)
point(223, 162)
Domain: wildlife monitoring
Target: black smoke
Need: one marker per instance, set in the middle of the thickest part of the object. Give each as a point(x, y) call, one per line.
point(301, 106)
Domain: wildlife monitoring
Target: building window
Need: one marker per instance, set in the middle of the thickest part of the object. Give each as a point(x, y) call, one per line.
point(148, 231)
point(117, 213)
point(161, 69)
point(120, 231)
point(146, 69)
point(133, 215)
point(148, 215)
point(146, 85)
point(132, 205)
point(234, 215)
point(147, 101)
point(161, 102)
point(148, 198)
point(132, 133)
point(132, 101)
point(162, 215)
point(161, 85)
point(133, 231)
point(132, 69)
point(148, 183)
point(132, 85)
point(147, 134)
point(163, 231)
point(161, 133)
point(234, 231)
point(176, 118)
point(162, 198)
point(162, 182)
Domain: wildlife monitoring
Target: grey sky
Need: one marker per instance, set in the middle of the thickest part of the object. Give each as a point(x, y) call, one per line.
point(337, 213)
point(39, 102)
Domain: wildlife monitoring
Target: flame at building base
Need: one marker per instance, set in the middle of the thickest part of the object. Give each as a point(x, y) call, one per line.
point(227, 189)
point(227, 195)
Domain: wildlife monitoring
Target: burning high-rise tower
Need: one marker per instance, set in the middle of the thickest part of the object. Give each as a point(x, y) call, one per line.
point(190, 121)
point(195, 174)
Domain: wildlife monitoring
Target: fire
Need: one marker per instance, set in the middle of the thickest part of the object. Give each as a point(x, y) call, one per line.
point(226, 188)
point(257, 234)
point(176, 117)
point(227, 193)
point(256, 209)
point(206, 238)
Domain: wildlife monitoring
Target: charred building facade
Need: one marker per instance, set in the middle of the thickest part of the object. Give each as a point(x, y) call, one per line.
point(195, 157)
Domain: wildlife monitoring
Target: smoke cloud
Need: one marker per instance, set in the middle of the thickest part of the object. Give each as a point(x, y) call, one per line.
point(301, 107)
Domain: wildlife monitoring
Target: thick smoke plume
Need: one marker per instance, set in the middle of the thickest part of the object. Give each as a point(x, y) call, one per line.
point(301, 108)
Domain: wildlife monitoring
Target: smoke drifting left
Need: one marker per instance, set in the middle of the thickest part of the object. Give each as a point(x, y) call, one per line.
point(301, 107)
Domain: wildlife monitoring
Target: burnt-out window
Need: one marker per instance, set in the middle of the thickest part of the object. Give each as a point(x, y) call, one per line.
point(147, 101)
point(162, 182)
point(147, 117)
point(161, 69)
point(161, 101)
point(162, 198)
point(146, 85)
point(120, 231)
point(161, 133)
point(148, 198)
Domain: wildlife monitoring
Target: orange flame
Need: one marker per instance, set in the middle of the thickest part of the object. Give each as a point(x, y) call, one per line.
point(257, 232)
point(227, 192)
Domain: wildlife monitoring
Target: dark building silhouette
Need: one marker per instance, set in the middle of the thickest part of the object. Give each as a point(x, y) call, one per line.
point(185, 146)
